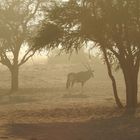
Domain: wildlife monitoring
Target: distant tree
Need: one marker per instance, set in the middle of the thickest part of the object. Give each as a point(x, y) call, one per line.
point(113, 25)
point(17, 21)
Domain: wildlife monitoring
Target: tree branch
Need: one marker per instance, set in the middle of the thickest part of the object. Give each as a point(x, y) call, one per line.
point(32, 14)
point(4, 60)
point(26, 57)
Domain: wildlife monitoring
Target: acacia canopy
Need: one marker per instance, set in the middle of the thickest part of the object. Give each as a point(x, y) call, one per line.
point(113, 25)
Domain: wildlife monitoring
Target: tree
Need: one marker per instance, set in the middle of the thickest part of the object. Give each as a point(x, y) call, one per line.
point(117, 24)
point(18, 18)
point(71, 38)
point(113, 25)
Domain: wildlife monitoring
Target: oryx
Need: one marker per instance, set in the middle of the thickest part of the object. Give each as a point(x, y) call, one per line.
point(80, 77)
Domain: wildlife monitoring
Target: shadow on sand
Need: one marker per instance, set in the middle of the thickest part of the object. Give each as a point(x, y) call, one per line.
point(5, 100)
point(116, 128)
point(24, 95)
point(79, 95)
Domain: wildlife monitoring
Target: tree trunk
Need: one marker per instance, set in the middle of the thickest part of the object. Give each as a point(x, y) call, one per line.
point(131, 82)
point(118, 102)
point(14, 78)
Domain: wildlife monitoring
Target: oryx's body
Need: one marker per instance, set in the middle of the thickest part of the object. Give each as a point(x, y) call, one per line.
point(80, 77)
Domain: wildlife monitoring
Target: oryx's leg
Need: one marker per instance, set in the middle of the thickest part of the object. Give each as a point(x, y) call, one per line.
point(72, 84)
point(82, 85)
point(70, 87)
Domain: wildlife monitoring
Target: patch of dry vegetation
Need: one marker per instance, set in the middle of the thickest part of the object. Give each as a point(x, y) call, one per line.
point(43, 108)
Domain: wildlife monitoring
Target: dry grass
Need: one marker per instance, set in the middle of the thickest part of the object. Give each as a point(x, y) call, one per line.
point(43, 109)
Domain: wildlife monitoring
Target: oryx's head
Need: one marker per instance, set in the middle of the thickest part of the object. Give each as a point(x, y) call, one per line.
point(89, 70)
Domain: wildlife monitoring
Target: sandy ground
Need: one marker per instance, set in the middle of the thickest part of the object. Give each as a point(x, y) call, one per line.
point(44, 110)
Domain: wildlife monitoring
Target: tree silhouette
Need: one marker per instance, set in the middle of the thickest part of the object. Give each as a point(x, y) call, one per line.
point(18, 18)
point(114, 26)
point(72, 38)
